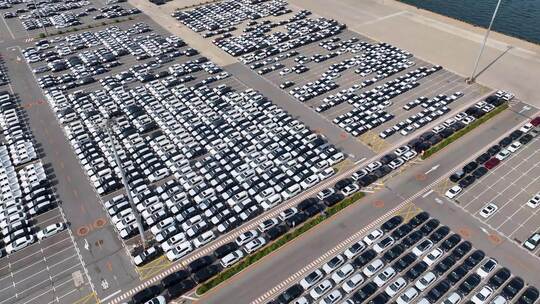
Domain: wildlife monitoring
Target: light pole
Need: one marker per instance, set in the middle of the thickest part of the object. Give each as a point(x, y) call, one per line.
point(473, 75)
point(124, 181)
point(39, 17)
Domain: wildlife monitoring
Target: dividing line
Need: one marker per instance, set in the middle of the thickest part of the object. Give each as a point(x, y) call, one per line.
point(7, 26)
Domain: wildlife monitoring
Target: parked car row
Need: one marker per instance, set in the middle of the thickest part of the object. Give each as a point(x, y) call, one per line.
point(260, 43)
point(415, 262)
point(227, 14)
point(25, 188)
point(361, 118)
point(491, 158)
point(3, 75)
point(434, 108)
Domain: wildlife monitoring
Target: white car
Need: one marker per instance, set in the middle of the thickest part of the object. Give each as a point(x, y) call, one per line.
point(353, 282)
point(385, 275)
point(488, 210)
point(332, 297)
point(408, 296)
point(422, 248)
point(373, 236)
point(350, 189)
point(487, 267)
point(526, 127)
point(179, 251)
point(245, 237)
point(503, 154)
point(425, 281)
point(173, 241)
point(383, 244)
point(395, 287)
point(453, 298)
point(325, 193)
point(311, 279)
point(483, 295)
point(342, 273)
point(231, 258)
point(204, 239)
point(532, 242)
point(268, 224)
point(287, 213)
point(355, 249)
point(333, 264)
point(433, 256)
point(373, 268)
point(20, 243)
point(499, 300)
point(513, 147)
point(453, 192)
point(254, 245)
point(50, 230)
point(534, 201)
point(319, 290)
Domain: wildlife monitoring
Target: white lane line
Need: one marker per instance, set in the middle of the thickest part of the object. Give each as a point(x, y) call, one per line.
point(9, 29)
point(110, 296)
point(427, 193)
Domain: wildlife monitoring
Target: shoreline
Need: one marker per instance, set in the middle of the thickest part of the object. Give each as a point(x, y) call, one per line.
point(516, 41)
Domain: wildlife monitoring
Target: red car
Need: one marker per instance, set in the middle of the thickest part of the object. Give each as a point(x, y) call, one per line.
point(492, 163)
point(536, 121)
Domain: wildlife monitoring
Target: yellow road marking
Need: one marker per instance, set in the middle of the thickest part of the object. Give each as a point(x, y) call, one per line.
point(91, 298)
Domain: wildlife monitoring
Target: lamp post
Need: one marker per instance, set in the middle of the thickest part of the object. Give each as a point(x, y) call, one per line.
point(138, 217)
point(473, 74)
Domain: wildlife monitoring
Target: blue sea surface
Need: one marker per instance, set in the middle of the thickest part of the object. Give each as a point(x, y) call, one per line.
point(518, 18)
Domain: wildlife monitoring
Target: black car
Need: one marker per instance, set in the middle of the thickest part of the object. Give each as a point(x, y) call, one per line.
point(456, 176)
point(499, 277)
point(225, 249)
point(364, 258)
point(365, 292)
point(296, 219)
point(438, 291)
point(277, 231)
point(505, 142)
point(290, 294)
point(512, 288)
point(381, 298)
point(525, 139)
point(444, 265)
point(392, 223)
point(474, 259)
point(515, 134)
point(461, 249)
point(494, 150)
point(367, 180)
point(179, 289)
point(200, 263)
point(478, 173)
point(333, 199)
point(457, 274)
point(439, 234)
point(468, 168)
point(308, 202)
point(402, 231)
point(340, 185)
point(412, 239)
point(450, 242)
point(415, 271)
point(467, 181)
point(428, 227)
point(314, 210)
point(206, 273)
point(145, 294)
point(483, 158)
point(529, 296)
point(404, 262)
point(174, 278)
point(418, 219)
point(393, 253)
point(469, 284)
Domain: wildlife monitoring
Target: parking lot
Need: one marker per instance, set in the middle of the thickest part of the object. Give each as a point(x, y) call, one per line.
point(509, 186)
point(406, 260)
point(31, 19)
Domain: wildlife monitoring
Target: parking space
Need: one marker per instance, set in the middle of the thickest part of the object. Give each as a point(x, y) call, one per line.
point(505, 197)
point(419, 261)
point(30, 19)
point(46, 272)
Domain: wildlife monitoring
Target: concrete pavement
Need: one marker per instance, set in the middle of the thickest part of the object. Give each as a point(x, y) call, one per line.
point(275, 269)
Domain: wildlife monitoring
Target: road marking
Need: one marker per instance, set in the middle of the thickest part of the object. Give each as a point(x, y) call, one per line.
point(110, 296)
point(427, 193)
